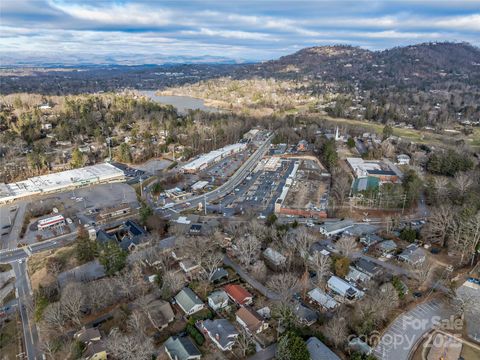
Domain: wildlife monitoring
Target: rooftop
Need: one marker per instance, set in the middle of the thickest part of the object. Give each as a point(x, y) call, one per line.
point(320, 351)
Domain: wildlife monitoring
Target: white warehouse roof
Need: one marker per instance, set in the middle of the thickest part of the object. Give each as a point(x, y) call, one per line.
point(60, 181)
point(213, 156)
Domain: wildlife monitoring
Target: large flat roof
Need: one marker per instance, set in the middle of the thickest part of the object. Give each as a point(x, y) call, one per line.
point(57, 181)
point(212, 155)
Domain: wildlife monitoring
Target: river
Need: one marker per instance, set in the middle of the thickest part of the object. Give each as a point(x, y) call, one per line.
point(182, 103)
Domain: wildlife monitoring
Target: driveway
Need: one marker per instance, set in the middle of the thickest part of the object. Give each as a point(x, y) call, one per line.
point(402, 335)
point(250, 280)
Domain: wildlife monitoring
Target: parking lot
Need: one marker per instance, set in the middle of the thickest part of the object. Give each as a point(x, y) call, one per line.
point(401, 336)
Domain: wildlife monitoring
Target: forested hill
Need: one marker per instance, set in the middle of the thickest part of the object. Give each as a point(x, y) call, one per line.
point(437, 66)
point(430, 64)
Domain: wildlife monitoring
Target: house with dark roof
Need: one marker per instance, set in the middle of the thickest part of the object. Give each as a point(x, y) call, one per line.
point(85, 335)
point(222, 333)
point(188, 301)
point(304, 314)
point(95, 350)
point(181, 348)
point(238, 294)
point(128, 235)
point(319, 351)
point(368, 267)
point(387, 247)
point(370, 240)
point(218, 275)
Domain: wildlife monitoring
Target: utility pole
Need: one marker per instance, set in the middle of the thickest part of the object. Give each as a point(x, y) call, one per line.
point(205, 204)
point(404, 200)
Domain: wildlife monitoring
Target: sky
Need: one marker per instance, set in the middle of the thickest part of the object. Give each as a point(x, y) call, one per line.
point(152, 31)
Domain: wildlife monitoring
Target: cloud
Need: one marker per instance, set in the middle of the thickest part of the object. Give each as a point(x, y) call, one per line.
point(248, 29)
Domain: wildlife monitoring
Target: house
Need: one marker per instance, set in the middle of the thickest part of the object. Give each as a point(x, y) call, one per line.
point(188, 301)
point(383, 175)
point(343, 288)
point(95, 350)
point(238, 294)
point(337, 227)
point(250, 320)
point(188, 265)
point(413, 255)
point(86, 335)
point(195, 229)
point(403, 159)
point(304, 314)
point(161, 313)
point(275, 258)
point(367, 267)
point(356, 276)
point(302, 145)
point(222, 333)
point(322, 299)
point(181, 348)
point(218, 300)
point(320, 351)
point(387, 247)
point(128, 235)
point(218, 275)
point(370, 240)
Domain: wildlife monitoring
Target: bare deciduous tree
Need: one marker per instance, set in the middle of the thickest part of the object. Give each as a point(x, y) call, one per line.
point(321, 264)
point(129, 346)
point(439, 224)
point(244, 342)
point(54, 317)
point(248, 249)
point(284, 285)
point(347, 245)
point(72, 300)
point(462, 182)
point(336, 330)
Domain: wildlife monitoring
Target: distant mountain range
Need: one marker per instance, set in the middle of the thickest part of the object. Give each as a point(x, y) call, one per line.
point(430, 66)
point(49, 60)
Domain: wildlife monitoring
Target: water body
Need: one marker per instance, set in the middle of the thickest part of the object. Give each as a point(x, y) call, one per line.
point(182, 103)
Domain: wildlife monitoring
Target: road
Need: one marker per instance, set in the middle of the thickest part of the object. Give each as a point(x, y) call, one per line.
point(401, 336)
point(25, 304)
point(225, 188)
point(254, 283)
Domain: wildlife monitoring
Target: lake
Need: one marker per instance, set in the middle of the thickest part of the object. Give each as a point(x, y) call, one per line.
point(182, 103)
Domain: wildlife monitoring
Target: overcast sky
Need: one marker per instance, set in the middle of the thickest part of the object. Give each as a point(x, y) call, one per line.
point(252, 30)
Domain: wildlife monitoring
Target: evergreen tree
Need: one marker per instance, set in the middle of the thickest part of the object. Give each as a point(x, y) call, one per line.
point(292, 347)
point(85, 249)
point(112, 257)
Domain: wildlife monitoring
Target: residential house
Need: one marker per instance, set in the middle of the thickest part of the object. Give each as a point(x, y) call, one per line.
point(321, 298)
point(368, 267)
point(95, 350)
point(274, 258)
point(86, 335)
point(250, 320)
point(218, 275)
point(161, 312)
point(337, 227)
point(412, 255)
point(370, 240)
point(218, 300)
point(128, 235)
point(320, 351)
point(222, 333)
point(387, 247)
point(403, 159)
point(238, 294)
point(343, 288)
point(189, 266)
point(195, 229)
point(181, 348)
point(304, 314)
point(356, 276)
point(188, 301)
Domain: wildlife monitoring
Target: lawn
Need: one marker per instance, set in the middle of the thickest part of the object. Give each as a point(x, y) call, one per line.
point(8, 339)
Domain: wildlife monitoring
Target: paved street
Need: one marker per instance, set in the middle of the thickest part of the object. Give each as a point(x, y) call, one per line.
point(402, 335)
point(254, 283)
point(25, 303)
point(224, 189)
